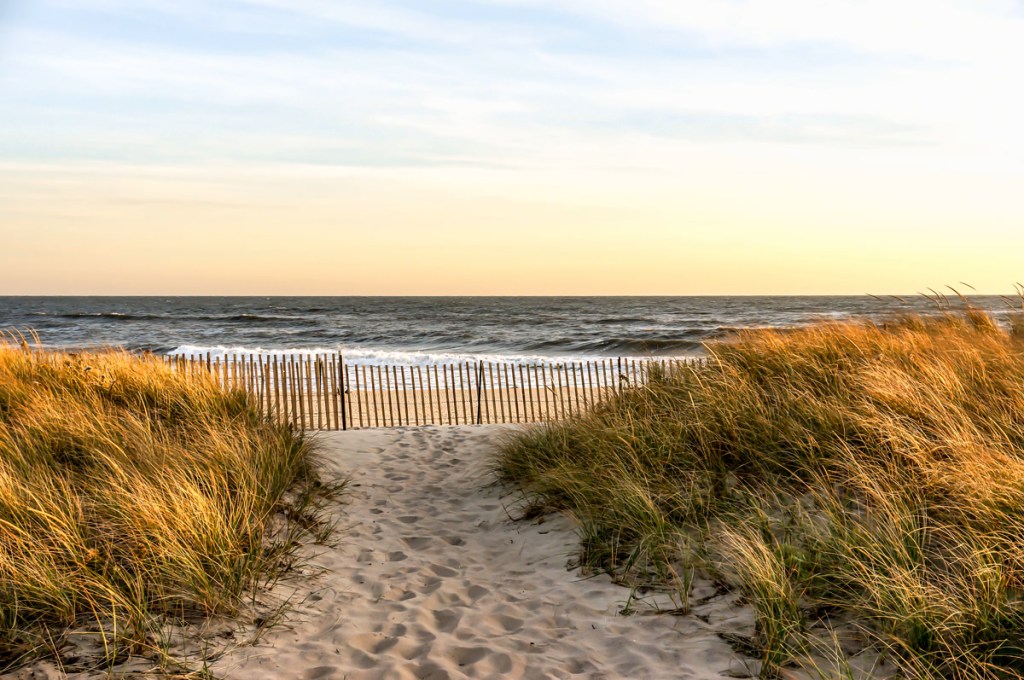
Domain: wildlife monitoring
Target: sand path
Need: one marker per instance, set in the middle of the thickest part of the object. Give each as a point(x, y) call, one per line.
point(432, 580)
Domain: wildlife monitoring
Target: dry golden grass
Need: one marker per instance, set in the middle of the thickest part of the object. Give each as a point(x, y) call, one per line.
point(131, 495)
point(856, 472)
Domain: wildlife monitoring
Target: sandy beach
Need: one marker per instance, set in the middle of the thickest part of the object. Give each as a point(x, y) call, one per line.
point(429, 577)
point(432, 579)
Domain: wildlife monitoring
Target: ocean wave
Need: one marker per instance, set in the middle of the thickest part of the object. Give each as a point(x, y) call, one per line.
point(119, 316)
point(616, 320)
point(136, 316)
point(639, 346)
point(260, 317)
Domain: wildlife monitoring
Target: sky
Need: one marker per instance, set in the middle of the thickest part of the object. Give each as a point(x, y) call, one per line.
point(510, 147)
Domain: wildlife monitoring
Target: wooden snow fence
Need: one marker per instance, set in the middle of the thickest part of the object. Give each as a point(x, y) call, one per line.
point(324, 392)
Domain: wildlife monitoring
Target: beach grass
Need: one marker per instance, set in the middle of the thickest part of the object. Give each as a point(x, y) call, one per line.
point(133, 497)
point(844, 476)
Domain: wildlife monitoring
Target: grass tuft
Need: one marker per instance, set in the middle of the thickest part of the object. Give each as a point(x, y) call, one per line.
point(132, 496)
point(867, 473)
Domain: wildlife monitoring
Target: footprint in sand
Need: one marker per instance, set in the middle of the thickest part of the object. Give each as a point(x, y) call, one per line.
point(476, 592)
point(447, 620)
point(467, 656)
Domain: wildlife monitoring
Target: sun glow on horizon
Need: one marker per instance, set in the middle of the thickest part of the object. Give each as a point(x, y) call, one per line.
point(510, 147)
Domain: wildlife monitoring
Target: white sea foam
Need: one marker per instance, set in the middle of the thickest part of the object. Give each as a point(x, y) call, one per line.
point(368, 357)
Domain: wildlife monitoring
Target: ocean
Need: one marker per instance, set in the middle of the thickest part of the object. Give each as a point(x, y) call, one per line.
point(426, 330)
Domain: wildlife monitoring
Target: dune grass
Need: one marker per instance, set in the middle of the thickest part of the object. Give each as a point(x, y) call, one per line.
point(132, 496)
point(869, 475)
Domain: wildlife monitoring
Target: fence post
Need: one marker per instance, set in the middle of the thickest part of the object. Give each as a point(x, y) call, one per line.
point(479, 392)
point(342, 373)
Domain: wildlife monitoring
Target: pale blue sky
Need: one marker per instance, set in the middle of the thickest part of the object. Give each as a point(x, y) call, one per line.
point(666, 117)
point(382, 83)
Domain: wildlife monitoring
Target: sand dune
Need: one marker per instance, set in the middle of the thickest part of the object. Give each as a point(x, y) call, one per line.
point(431, 579)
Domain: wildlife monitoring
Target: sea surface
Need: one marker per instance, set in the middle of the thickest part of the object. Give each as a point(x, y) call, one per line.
point(423, 330)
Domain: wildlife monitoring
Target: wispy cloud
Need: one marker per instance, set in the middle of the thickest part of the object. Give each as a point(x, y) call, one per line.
point(501, 82)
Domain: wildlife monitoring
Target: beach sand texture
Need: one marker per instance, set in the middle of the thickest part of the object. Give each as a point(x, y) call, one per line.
point(431, 579)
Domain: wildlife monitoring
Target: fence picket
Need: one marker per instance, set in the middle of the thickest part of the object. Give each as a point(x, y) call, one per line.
point(590, 386)
point(437, 393)
point(405, 396)
point(393, 389)
point(359, 393)
point(447, 395)
point(498, 410)
point(538, 409)
point(506, 397)
point(378, 397)
point(328, 392)
point(327, 395)
point(319, 389)
point(309, 388)
point(293, 385)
